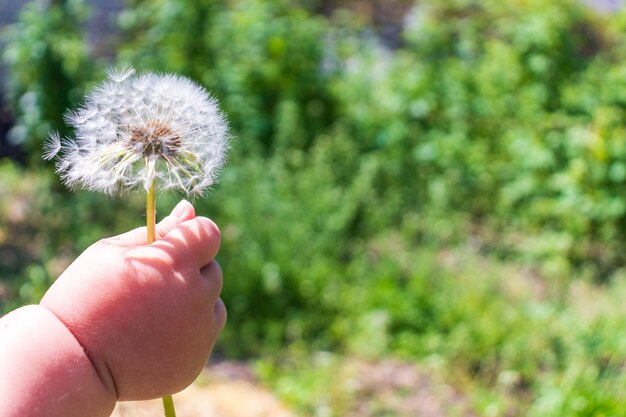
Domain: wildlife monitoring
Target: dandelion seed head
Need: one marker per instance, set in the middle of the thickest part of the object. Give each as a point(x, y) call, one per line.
point(139, 129)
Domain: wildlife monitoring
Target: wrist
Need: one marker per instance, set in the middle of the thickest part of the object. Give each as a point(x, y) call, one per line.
point(44, 370)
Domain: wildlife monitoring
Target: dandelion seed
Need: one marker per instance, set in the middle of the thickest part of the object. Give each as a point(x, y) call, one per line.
point(121, 74)
point(140, 130)
point(52, 146)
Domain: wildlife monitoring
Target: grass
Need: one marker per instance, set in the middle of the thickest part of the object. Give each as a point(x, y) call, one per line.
point(499, 340)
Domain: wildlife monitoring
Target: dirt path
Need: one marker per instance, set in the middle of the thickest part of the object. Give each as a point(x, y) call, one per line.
point(227, 399)
point(388, 387)
point(226, 389)
point(399, 389)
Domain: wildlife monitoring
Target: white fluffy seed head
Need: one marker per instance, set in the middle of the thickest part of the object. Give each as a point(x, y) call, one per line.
point(140, 129)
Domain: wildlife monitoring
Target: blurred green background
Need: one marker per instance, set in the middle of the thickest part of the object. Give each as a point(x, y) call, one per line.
point(438, 182)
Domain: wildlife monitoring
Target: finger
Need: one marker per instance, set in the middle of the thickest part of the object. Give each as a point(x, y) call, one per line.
point(182, 212)
point(194, 242)
point(212, 274)
point(219, 315)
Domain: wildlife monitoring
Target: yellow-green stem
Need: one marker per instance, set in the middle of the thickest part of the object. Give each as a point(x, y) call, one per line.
point(151, 213)
point(168, 406)
point(168, 402)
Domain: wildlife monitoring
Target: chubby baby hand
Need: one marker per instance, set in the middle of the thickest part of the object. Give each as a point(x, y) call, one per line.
point(146, 315)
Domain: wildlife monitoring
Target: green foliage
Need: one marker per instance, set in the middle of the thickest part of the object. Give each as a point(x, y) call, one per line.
point(48, 64)
point(292, 270)
point(267, 75)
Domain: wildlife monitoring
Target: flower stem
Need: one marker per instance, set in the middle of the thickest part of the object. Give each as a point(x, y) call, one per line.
point(168, 406)
point(151, 213)
point(168, 402)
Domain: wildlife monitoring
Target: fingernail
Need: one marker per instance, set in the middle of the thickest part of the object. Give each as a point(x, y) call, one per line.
point(181, 208)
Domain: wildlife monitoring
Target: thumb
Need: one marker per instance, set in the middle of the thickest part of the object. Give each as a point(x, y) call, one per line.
point(182, 212)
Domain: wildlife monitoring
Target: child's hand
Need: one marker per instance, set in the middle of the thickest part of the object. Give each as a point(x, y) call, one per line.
point(147, 315)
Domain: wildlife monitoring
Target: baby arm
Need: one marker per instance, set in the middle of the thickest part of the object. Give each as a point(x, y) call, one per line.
point(44, 371)
point(126, 321)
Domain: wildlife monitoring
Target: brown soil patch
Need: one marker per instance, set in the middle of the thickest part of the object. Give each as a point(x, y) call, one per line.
point(395, 388)
point(224, 390)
